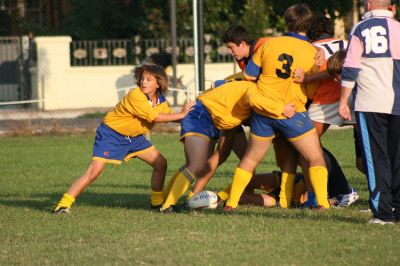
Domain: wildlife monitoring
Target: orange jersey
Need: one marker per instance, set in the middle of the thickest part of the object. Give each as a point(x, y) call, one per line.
point(328, 90)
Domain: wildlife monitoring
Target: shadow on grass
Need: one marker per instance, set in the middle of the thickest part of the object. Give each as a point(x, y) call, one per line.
point(301, 214)
point(45, 202)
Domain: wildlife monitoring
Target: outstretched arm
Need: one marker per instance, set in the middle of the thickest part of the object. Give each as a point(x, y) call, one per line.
point(164, 117)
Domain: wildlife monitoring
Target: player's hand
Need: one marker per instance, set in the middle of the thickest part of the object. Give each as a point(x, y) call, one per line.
point(188, 107)
point(344, 111)
point(320, 56)
point(289, 110)
point(298, 75)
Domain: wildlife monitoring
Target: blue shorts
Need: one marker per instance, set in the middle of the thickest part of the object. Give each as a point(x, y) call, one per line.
point(112, 147)
point(198, 122)
point(299, 125)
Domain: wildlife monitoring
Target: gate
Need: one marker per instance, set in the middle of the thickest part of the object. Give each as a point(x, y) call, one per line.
point(14, 68)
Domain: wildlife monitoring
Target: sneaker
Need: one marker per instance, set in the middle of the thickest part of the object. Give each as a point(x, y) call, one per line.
point(170, 209)
point(61, 210)
point(379, 221)
point(344, 200)
point(228, 209)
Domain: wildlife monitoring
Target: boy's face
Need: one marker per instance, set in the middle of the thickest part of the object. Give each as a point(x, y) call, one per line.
point(240, 51)
point(148, 84)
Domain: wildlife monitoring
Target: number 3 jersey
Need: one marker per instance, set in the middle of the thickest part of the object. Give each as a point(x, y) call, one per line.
point(273, 64)
point(373, 61)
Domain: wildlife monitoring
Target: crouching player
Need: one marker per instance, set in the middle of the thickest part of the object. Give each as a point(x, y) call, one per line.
point(120, 135)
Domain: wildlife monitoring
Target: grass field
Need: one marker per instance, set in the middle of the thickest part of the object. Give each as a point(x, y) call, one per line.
point(110, 223)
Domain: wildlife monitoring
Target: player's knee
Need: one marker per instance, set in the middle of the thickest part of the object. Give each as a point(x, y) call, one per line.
point(160, 163)
point(197, 169)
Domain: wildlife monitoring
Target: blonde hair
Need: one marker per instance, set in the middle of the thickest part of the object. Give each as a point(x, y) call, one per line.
point(157, 71)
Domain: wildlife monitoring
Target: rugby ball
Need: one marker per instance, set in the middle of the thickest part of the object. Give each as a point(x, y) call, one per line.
point(203, 200)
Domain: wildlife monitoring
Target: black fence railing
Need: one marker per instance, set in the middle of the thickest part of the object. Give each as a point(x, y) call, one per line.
point(136, 51)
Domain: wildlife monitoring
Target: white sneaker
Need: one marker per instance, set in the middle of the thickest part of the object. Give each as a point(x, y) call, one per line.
point(379, 221)
point(345, 200)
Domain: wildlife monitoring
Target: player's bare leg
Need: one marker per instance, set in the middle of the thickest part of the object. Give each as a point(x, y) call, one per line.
point(224, 147)
point(197, 152)
point(156, 160)
point(94, 169)
point(255, 152)
point(310, 148)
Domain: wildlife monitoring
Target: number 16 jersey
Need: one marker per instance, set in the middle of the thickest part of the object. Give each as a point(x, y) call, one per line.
point(273, 64)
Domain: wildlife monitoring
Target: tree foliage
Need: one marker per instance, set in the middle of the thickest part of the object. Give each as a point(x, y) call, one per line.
point(110, 19)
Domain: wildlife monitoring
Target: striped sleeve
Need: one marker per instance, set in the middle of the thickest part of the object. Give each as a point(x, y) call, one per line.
point(352, 63)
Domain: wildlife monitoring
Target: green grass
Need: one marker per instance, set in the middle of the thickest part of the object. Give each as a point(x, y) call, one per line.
point(110, 223)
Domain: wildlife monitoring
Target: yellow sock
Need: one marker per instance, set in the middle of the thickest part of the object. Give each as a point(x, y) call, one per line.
point(241, 179)
point(178, 188)
point(224, 194)
point(171, 181)
point(286, 192)
point(156, 198)
point(319, 181)
point(189, 195)
point(65, 202)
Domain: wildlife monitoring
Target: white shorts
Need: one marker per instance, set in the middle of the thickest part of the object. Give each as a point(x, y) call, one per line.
point(328, 114)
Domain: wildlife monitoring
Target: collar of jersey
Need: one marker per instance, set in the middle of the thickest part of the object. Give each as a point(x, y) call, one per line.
point(296, 35)
point(160, 99)
point(378, 13)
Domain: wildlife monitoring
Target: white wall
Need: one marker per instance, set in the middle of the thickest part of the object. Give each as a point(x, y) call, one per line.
point(64, 87)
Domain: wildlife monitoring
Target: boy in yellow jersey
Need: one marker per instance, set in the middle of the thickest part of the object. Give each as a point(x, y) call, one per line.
point(120, 135)
point(272, 67)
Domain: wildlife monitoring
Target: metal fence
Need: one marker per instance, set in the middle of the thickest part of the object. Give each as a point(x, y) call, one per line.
point(135, 51)
point(14, 68)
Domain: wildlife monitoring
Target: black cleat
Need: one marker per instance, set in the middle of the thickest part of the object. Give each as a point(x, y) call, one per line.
point(155, 207)
point(170, 209)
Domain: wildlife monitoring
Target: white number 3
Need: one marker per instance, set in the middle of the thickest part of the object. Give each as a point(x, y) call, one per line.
point(375, 40)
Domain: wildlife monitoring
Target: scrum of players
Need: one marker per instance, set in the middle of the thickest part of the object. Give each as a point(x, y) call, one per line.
point(290, 90)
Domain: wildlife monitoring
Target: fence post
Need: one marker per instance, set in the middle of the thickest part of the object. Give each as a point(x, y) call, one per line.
point(53, 59)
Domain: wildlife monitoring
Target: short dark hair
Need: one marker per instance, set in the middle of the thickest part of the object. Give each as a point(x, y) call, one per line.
point(236, 34)
point(335, 63)
point(298, 18)
point(157, 71)
point(320, 26)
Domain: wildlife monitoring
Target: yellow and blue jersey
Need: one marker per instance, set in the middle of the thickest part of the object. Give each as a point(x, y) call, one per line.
point(134, 115)
point(272, 66)
point(228, 104)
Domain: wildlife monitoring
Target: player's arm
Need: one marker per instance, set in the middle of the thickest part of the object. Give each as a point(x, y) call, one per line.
point(300, 76)
point(351, 68)
point(137, 105)
point(169, 117)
